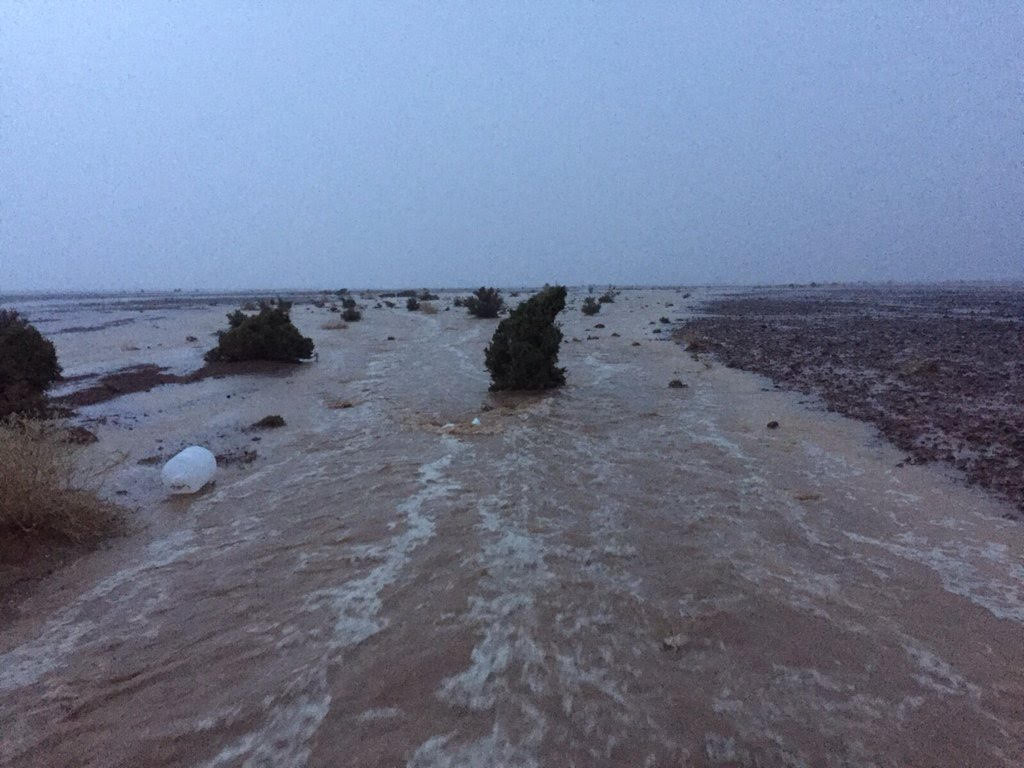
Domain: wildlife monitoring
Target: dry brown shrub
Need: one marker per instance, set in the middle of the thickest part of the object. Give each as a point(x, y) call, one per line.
point(427, 308)
point(47, 491)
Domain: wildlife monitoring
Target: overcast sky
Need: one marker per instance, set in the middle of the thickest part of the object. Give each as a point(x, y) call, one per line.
point(294, 144)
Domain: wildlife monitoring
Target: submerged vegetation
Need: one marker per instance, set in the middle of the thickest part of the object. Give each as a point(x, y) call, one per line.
point(267, 335)
point(28, 366)
point(523, 353)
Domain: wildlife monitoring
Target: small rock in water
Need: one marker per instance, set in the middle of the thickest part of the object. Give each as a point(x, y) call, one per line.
point(772, 425)
point(79, 436)
point(269, 422)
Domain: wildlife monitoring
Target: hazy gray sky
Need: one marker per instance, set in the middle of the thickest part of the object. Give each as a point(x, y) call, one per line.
point(222, 145)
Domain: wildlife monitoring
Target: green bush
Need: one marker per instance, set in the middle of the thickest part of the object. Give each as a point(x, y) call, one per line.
point(523, 354)
point(28, 365)
point(591, 306)
point(485, 302)
point(267, 335)
point(412, 304)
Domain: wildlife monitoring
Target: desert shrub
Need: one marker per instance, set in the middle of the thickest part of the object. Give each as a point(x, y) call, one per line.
point(608, 297)
point(428, 296)
point(351, 314)
point(485, 302)
point(389, 304)
point(267, 335)
point(319, 303)
point(46, 490)
point(348, 302)
point(523, 353)
point(664, 320)
point(590, 306)
point(408, 293)
point(412, 304)
point(427, 308)
point(28, 365)
point(458, 301)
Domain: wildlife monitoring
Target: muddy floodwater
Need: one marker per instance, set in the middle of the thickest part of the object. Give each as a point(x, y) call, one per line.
point(619, 573)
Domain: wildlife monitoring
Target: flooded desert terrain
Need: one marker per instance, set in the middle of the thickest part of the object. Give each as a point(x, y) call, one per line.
point(618, 573)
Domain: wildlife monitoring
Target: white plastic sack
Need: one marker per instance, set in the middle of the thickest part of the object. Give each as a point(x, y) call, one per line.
point(189, 470)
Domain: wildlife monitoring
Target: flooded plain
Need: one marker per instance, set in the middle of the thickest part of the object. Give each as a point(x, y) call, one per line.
point(618, 573)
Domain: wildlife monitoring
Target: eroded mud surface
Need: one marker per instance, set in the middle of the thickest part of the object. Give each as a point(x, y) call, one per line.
point(618, 574)
point(939, 371)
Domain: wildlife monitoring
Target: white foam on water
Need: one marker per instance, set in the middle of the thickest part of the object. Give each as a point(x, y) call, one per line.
point(65, 632)
point(294, 718)
point(1002, 597)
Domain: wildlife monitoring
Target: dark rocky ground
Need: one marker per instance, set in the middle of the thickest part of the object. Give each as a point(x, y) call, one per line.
point(939, 370)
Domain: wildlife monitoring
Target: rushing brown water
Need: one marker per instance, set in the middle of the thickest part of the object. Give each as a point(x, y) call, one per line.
point(617, 574)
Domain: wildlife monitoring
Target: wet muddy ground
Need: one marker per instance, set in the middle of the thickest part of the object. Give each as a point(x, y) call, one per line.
point(939, 371)
point(619, 573)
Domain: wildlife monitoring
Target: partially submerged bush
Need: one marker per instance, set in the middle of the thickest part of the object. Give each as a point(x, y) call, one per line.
point(485, 302)
point(412, 304)
point(268, 335)
point(590, 306)
point(351, 314)
point(28, 365)
point(523, 354)
point(46, 491)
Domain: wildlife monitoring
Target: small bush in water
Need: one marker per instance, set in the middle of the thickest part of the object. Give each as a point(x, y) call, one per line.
point(523, 353)
point(485, 302)
point(267, 335)
point(28, 365)
point(590, 306)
